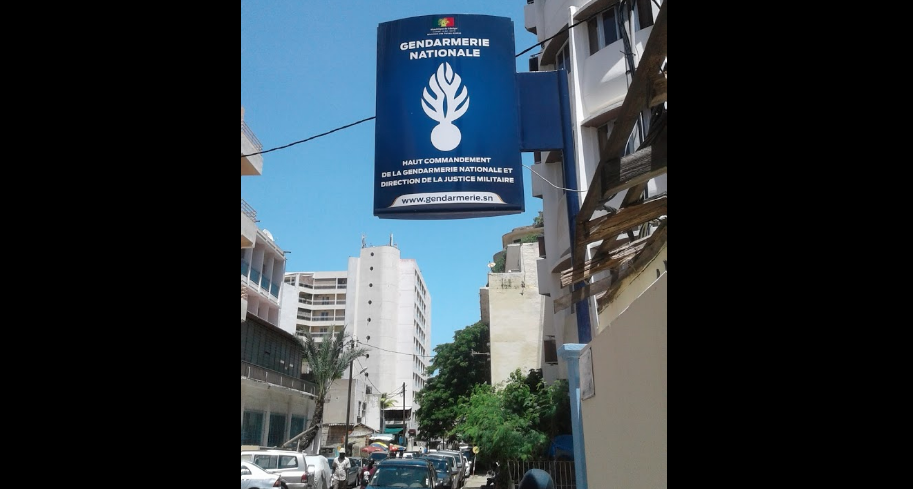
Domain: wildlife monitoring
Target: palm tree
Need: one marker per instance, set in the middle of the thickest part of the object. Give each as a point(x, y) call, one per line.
point(327, 360)
point(385, 402)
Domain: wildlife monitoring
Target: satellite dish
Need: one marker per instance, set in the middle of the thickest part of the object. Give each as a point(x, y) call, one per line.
point(491, 265)
point(269, 234)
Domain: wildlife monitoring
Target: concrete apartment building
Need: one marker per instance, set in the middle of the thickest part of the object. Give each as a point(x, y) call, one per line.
point(275, 402)
point(602, 272)
point(513, 309)
point(382, 301)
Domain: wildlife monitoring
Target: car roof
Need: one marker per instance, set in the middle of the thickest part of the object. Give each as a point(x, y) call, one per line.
point(270, 450)
point(451, 456)
point(403, 461)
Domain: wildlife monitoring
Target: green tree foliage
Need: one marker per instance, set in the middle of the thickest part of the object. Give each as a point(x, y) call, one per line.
point(503, 421)
point(454, 373)
point(386, 401)
point(327, 360)
point(499, 263)
point(515, 420)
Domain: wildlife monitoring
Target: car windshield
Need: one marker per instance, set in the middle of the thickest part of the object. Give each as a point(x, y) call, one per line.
point(441, 465)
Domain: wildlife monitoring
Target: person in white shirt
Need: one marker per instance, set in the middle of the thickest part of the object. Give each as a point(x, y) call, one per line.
point(341, 471)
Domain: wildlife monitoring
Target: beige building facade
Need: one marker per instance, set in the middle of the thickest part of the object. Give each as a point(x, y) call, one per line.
point(512, 308)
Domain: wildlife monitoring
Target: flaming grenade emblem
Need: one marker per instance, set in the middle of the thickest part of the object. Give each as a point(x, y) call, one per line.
point(445, 106)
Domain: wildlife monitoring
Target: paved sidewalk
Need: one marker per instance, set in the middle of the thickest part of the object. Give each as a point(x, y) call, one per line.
point(475, 481)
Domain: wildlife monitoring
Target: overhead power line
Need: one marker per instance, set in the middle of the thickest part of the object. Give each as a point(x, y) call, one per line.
point(540, 43)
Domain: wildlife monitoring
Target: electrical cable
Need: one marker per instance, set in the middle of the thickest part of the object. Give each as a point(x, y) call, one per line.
point(562, 31)
point(310, 138)
point(374, 117)
point(399, 352)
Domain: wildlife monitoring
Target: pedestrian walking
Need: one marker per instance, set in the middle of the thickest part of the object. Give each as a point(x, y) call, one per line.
point(341, 470)
point(367, 472)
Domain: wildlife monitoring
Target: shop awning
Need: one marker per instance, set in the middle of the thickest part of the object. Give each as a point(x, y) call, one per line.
point(393, 430)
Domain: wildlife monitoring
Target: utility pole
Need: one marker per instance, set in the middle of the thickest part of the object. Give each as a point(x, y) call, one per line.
point(349, 400)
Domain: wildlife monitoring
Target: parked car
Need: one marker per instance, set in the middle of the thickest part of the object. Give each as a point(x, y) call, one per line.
point(446, 473)
point(455, 472)
point(461, 463)
point(457, 461)
point(254, 477)
point(299, 470)
point(470, 459)
point(404, 472)
point(461, 457)
point(356, 464)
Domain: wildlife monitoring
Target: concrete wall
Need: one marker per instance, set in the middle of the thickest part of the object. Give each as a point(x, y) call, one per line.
point(631, 289)
point(515, 312)
point(626, 420)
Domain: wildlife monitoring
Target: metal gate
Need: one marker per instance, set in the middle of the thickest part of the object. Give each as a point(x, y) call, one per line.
point(562, 472)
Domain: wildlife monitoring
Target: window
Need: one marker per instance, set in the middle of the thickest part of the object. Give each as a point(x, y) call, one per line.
point(563, 58)
point(276, 430)
point(602, 30)
point(643, 14)
point(288, 462)
point(297, 425)
point(634, 140)
point(551, 352)
point(251, 428)
point(265, 461)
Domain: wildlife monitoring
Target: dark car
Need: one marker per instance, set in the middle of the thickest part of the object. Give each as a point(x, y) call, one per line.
point(455, 469)
point(356, 463)
point(446, 473)
point(404, 472)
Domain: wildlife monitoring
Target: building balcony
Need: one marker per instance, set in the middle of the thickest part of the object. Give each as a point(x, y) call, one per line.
point(530, 16)
point(248, 225)
point(305, 319)
point(250, 165)
point(253, 372)
point(258, 282)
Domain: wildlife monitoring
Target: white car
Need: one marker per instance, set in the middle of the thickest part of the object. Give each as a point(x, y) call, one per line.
point(298, 470)
point(253, 477)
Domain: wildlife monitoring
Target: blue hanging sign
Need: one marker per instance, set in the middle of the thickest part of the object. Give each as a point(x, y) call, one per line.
point(447, 142)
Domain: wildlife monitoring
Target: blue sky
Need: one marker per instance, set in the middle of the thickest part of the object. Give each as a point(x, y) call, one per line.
point(309, 67)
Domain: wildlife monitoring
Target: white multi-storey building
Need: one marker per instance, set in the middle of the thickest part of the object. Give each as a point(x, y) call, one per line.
point(275, 402)
point(603, 275)
point(599, 54)
point(383, 303)
point(314, 302)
